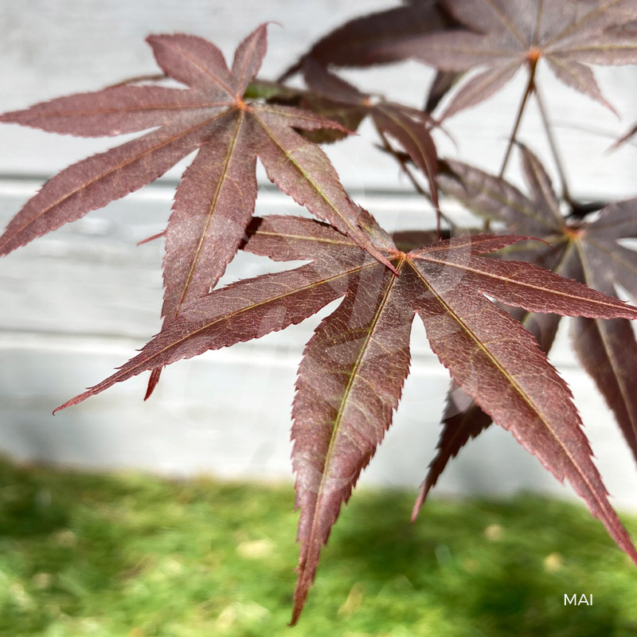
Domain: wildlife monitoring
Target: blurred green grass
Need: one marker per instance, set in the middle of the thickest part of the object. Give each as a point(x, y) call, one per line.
point(136, 556)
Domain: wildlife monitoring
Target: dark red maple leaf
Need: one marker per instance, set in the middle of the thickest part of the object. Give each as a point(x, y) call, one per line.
point(504, 35)
point(216, 197)
point(383, 38)
point(372, 39)
point(354, 366)
point(587, 252)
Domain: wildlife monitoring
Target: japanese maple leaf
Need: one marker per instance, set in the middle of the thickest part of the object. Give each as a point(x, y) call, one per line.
point(587, 252)
point(353, 368)
point(216, 198)
point(504, 35)
point(383, 38)
point(371, 39)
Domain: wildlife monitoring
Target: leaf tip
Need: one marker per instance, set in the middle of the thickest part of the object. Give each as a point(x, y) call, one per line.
point(159, 235)
point(152, 382)
point(420, 500)
point(294, 621)
point(611, 149)
point(300, 595)
point(74, 401)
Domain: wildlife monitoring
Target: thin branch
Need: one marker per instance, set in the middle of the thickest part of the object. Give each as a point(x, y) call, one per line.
point(553, 144)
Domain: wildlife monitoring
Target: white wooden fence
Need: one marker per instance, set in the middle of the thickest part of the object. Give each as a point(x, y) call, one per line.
point(78, 302)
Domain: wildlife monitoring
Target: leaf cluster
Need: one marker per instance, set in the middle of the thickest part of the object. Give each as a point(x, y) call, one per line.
point(490, 301)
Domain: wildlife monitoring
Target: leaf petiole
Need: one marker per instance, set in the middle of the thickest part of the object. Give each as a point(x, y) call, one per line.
point(530, 87)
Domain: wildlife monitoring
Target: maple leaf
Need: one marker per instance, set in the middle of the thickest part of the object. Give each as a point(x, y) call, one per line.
point(372, 39)
point(587, 252)
point(353, 368)
point(504, 35)
point(216, 198)
point(382, 38)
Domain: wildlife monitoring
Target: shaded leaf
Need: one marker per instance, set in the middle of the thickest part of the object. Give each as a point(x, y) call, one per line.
point(504, 35)
point(481, 86)
point(608, 352)
point(607, 349)
point(462, 421)
point(376, 38)
point(380, 38)
point(585, 252)
point(541, 188)
point(495, 198)
point(580, 77)
point(441, 85)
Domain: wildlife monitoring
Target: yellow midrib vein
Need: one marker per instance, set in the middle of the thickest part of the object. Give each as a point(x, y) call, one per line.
point(513, 282)
point(304, 173)
point(282, 235)
point(211, 210)
point(203, 69)
point(131, 109)
point(341, 409)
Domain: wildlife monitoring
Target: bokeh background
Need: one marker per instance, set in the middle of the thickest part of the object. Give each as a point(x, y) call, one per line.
point(79, 302)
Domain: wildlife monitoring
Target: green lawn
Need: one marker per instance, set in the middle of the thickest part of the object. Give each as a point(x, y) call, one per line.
point(136, 556)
